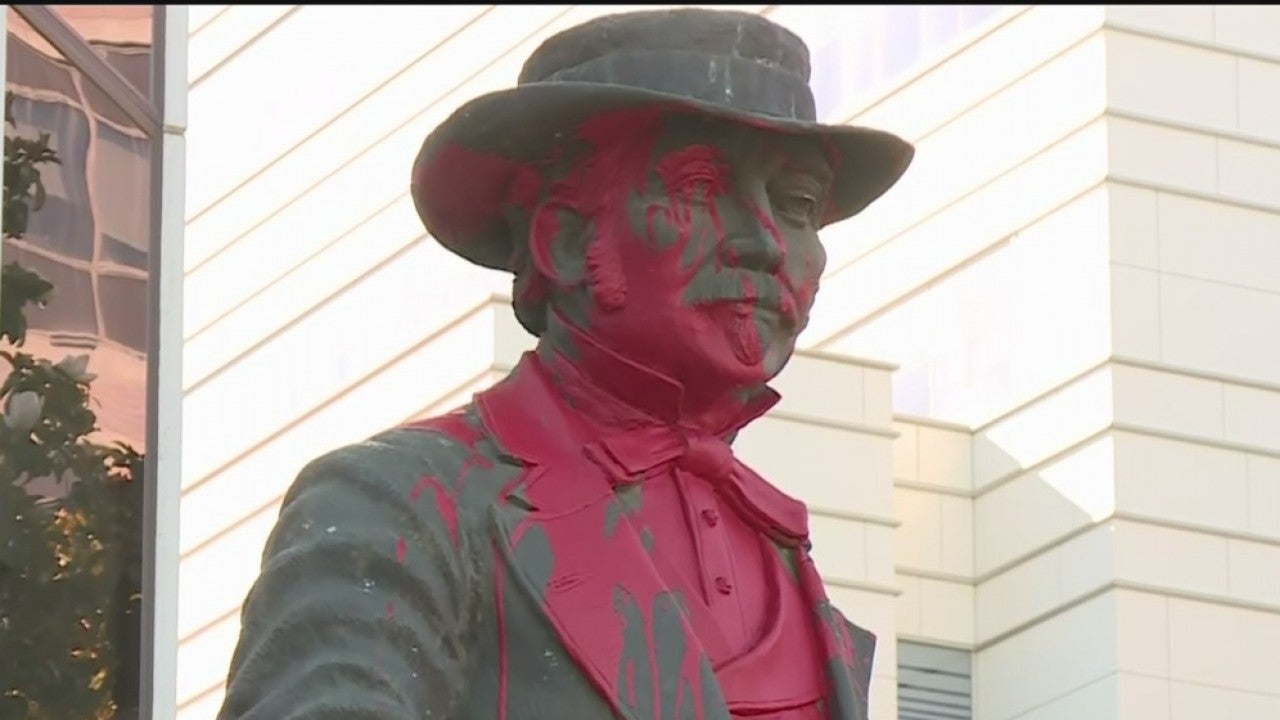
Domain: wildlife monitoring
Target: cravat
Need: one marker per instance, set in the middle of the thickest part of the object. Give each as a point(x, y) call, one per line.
point(637, 454)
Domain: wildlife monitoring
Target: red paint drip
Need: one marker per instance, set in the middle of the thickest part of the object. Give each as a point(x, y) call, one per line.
point(391, 610)
point(402, 549)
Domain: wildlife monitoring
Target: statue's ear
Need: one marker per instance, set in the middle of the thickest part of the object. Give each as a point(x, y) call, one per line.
point(558, 244)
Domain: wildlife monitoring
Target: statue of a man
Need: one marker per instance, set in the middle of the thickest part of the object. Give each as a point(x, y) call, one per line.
point(579, 541)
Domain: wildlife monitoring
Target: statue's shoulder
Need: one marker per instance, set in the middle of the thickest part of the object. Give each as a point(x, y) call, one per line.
point(452, 450)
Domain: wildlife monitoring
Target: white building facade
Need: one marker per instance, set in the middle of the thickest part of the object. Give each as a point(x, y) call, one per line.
point(1037, 413)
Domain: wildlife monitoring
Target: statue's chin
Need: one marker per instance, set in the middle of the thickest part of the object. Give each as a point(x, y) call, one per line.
point(744, 340)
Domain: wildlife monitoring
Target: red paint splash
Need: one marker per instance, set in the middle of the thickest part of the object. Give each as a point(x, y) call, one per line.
point(446, 503)
point(402, 548)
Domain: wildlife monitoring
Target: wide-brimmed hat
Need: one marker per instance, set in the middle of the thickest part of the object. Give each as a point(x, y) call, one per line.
point(735, 66)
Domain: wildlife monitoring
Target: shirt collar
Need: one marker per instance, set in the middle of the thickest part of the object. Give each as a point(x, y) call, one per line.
point(616, 391)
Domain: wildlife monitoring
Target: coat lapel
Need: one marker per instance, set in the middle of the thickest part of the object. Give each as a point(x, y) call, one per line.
point(848, 649)
point(566, 538)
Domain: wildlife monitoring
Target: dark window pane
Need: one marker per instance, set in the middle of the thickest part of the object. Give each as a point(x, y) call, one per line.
point(934, 683)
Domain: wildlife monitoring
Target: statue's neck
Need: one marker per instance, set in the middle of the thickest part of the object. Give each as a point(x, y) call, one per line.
point(615, 390)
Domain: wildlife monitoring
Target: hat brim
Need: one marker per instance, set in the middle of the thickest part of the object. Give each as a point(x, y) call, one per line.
point(466, 167)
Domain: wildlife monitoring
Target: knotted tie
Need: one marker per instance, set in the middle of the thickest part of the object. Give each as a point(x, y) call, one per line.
point(639, 454)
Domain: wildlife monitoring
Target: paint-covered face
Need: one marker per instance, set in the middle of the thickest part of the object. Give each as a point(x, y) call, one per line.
point(701, 244)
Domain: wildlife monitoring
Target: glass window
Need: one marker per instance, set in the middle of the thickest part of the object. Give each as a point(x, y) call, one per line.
point(71, 548)
point(120, 34)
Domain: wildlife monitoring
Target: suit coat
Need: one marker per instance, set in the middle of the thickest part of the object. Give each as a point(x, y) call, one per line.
point(430, 572)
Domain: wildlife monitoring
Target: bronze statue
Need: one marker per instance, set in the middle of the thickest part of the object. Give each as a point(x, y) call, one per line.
point(579, 541)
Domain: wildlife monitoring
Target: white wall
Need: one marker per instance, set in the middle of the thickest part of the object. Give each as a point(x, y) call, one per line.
point(1086, 279)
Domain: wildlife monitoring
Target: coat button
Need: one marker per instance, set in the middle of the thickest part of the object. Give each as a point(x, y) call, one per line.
point(711, 517)
point(723, 586)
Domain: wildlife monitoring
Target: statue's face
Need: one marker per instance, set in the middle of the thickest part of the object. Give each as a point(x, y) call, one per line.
point(702, 250)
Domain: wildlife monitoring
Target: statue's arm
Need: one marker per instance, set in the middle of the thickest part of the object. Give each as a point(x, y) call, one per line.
point(362, 608)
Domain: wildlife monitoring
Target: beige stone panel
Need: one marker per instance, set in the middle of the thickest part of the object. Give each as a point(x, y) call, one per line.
point(1171, 81)
point(828, 468)
point(1168, 401)
point(1193, 22)
point(1216, 241)
point(1047, 661)
point(1228, 647)
point(1182, 482)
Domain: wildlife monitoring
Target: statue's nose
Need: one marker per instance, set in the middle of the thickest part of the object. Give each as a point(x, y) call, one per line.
point(753, 247)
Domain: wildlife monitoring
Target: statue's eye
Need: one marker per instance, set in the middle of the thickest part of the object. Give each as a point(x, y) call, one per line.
point(798, 206)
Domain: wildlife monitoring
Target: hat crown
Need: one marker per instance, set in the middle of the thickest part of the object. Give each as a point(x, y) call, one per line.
point(711, 32)
point(737, 60)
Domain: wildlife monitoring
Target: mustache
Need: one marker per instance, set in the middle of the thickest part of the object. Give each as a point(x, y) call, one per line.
point(730, 285)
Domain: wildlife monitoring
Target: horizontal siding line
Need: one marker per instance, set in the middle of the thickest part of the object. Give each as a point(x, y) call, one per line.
point(1198, 528)
point(932, 423)
point(1172, 369)
point(202, 694)
point(922, 639)
point(431, 406)
point(1037, 552)
point(862, 362)
point(254, 512)
point(1193, 127)
point(243, 46)
point(1200, 278)
point(1122, 516)
point(1116, 426)
point(868, 518)
point(1045, 395)
point(1131, 29)
point(1197, 440)
point(347, 286)
point(939, 575)
point(1167, 592)
point(352, 386)
point(1200, 684)
point(243, 518)
point(921, 286)
point(924, 284)
point(216, 621)
point(1008, 85)
point(845, 425)
point(1122, 180)
point(246, 516)
point(890, 91)
point(192, 32)
point(1006, 478)
point(862, 585)
point(962, 112)
point(948, 490)
point(355, 154)
point(1029, 712)
point(328, 123)
point(297, 266)
point(1069, 604)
